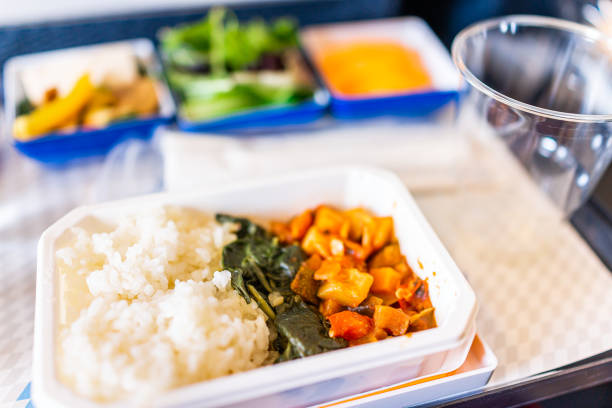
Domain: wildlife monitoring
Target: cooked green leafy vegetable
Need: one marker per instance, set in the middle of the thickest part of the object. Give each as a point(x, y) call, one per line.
point(305, 330)
point(260, 265)
point(213, 65)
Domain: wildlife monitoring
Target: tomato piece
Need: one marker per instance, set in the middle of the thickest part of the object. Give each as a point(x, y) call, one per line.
point(350, 325)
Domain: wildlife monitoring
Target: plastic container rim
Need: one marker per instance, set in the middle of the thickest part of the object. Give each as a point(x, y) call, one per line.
point(587, 32)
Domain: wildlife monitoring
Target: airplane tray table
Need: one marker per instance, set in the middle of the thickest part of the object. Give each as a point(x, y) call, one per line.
point(31, 202)
point(529, 359)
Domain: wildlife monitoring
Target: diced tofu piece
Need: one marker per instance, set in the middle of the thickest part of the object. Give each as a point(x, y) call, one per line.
point(329, 307)
point(316, 242)
point(329, 220)
point(390, 255)
point(377, 234)
point(386, 280)
point(330, 268)
point(392, 320)
point(300, 224)
point(358, 218)
point(350, 291)
point(383, 232)
point(349, 325)
point(337, 268)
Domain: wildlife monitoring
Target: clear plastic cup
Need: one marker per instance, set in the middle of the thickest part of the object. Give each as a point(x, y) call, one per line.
point(545, 87)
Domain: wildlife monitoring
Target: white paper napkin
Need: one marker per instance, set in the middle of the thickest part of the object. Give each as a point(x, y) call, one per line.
point(426, 156)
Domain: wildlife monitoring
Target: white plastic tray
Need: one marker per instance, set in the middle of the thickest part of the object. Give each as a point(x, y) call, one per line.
point(313, 379)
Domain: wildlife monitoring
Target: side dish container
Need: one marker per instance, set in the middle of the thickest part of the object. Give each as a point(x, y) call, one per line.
point(299, 382)
point(60, 147)
point(411, 32)
point(262, 118)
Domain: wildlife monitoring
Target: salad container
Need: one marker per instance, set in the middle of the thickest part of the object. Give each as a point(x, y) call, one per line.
point(59, 147)
point(300, 382)
point(228, 74)
point(411, 32)
point(263, 118)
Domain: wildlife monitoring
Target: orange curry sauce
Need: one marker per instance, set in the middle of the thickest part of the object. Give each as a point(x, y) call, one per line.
point(356, 274)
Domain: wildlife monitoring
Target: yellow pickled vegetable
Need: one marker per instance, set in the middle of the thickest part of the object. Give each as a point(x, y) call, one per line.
point(55, 113)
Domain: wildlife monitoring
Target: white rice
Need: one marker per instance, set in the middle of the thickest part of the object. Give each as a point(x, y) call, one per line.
point(146, 307)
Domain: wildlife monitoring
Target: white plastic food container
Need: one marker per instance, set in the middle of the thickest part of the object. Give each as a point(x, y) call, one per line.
point(305, 381)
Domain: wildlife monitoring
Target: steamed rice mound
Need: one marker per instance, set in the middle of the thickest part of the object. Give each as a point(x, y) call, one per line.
point(147, 307)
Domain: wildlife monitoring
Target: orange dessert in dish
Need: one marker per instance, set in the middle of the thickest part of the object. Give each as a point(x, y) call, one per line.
point(373, 68)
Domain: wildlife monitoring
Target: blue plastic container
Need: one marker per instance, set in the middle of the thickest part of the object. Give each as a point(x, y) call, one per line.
point(409, 31)
point(62, 147)
point(264, 117)
point(409, 105)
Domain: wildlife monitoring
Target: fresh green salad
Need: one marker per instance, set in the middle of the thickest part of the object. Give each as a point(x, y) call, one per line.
point(220, 66)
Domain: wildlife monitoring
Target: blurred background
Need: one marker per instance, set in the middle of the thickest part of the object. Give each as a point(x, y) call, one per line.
point(38, 25)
